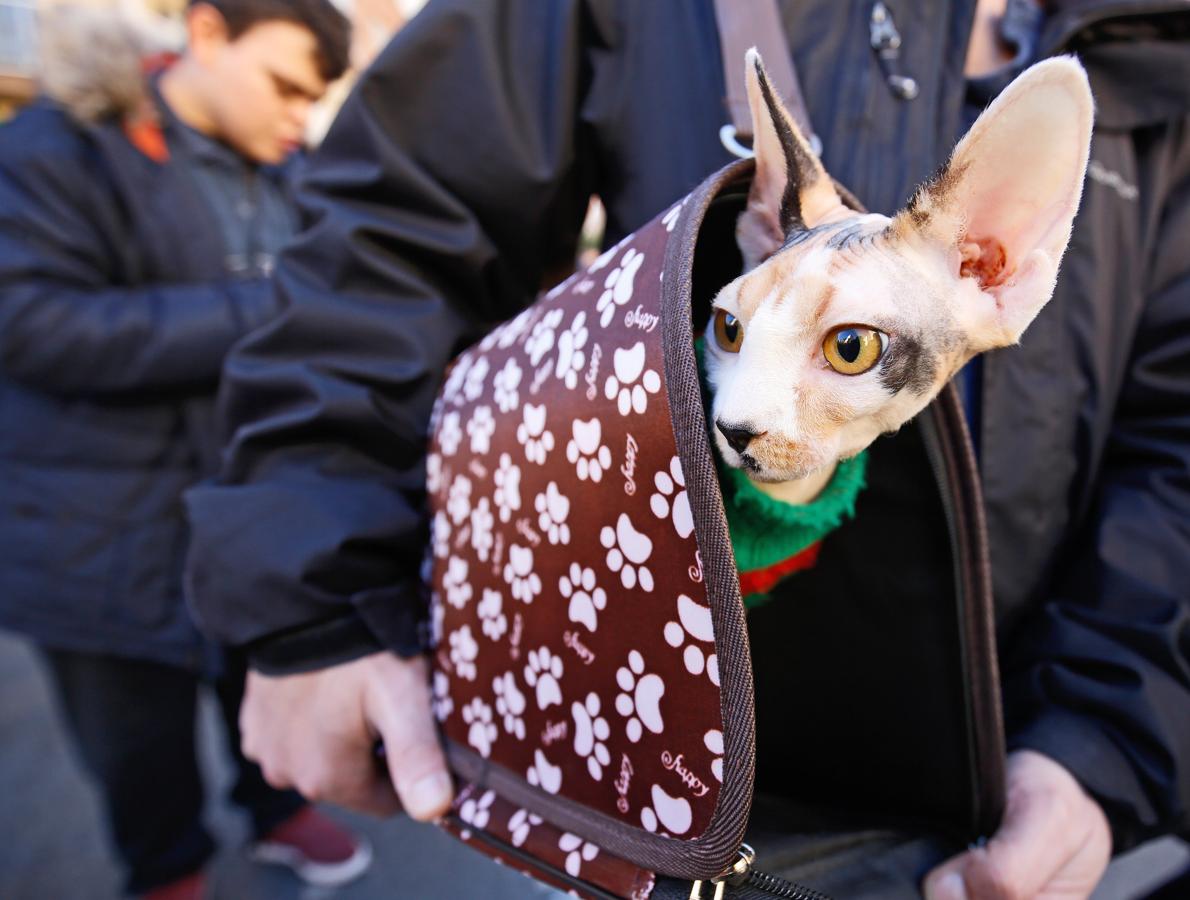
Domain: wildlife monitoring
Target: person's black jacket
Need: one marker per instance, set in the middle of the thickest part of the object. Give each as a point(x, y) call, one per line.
point(116, 311)
point(457, 176)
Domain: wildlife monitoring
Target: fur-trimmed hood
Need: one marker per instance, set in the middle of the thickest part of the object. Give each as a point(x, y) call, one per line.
point(92, 58)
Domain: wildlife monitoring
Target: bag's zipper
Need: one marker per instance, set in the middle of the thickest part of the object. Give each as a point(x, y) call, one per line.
point(742, 874)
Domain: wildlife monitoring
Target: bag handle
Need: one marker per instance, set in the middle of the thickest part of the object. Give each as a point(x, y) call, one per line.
point(757, 23)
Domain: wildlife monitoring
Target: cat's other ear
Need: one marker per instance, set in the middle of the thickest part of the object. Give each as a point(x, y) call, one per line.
point(791, 190)
point(1004, 205)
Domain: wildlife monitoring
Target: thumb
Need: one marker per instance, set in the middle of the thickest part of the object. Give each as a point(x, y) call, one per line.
point(399, 709)
point(1017, 862)
point(946, 881)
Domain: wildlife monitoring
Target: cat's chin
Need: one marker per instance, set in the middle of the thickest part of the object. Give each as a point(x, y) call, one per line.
point(795, 490)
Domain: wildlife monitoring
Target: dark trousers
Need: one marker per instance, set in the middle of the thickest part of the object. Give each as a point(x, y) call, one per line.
point(134, 726)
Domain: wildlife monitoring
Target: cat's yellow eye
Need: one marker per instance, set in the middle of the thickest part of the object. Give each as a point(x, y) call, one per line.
point(729, 333)
point(854, 349)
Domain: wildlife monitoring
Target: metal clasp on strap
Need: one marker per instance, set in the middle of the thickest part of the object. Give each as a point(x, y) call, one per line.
point(729, 138)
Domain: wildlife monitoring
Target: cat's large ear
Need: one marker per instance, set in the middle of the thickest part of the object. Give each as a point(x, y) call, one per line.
point(1004, 205)
point(791, 190)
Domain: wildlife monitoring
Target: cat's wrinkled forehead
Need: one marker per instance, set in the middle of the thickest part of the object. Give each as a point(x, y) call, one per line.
point(805, 269)
point(854, 271)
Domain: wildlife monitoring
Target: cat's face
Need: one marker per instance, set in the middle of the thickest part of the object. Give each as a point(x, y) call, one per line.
point(827, 345)
point(845, 326)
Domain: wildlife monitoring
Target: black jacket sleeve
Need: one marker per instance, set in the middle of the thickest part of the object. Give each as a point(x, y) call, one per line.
point(432, 208)
point(66, 326)
point(1100, 678)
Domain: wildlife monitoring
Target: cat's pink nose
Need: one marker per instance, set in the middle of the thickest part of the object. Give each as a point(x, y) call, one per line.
point(738, 438)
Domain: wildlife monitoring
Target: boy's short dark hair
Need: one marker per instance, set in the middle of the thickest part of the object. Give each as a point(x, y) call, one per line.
point(329, 26)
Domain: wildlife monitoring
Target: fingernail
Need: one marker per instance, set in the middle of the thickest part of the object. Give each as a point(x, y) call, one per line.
point(949, 887)
point(429, 796)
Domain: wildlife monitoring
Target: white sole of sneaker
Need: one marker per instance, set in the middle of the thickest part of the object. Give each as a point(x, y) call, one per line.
point(314, 873)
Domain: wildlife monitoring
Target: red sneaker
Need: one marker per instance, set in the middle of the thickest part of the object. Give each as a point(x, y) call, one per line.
point(319, 850)
point(190, 887)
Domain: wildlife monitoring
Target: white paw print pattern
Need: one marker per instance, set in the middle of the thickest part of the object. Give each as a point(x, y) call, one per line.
point(627, 552)
point(453, 388)
point(463, 651)
point(518, 573)
point(481, 730)
point(632, 383)
point(513, 331)
point(508, 487)
point(491, 614)
point(433, 472)
point(591, 732)
point(577, 852)
point(507, 384)
point(476, 812)
point(713, 741)
point(544, 774)
point(604, 258)
point(553, 508)
point(441, 701)
point(440, 530)
point(640, 702)
point(542, 673)
point(671, 499)
point(587, 452)
point(521, 823)
point(476, 374)
point(458, 502)
point(670, 219)
point(587, 600)
point(617, 289)
point(437, 618)
point(458, 588)
point(450, 434)
point(695, 625)
point(481, 529)
point(541, 339)
point(571, 356)
point(480, 429)
point(670, 814)
point(510, 704)
point(533, 435)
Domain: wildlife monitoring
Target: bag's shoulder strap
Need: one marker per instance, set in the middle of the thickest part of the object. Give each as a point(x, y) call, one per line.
point(757, 23)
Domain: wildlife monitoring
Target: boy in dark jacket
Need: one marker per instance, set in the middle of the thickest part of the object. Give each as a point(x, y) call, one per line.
point(308, 546)
point(139, 220)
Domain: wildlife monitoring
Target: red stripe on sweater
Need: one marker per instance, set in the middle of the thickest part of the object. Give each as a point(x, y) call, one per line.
point(761, 581)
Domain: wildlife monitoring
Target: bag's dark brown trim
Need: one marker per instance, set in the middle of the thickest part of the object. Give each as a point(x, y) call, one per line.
point(944, 429)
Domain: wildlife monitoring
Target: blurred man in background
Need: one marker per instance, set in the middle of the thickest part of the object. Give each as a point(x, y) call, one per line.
point(139, 220)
